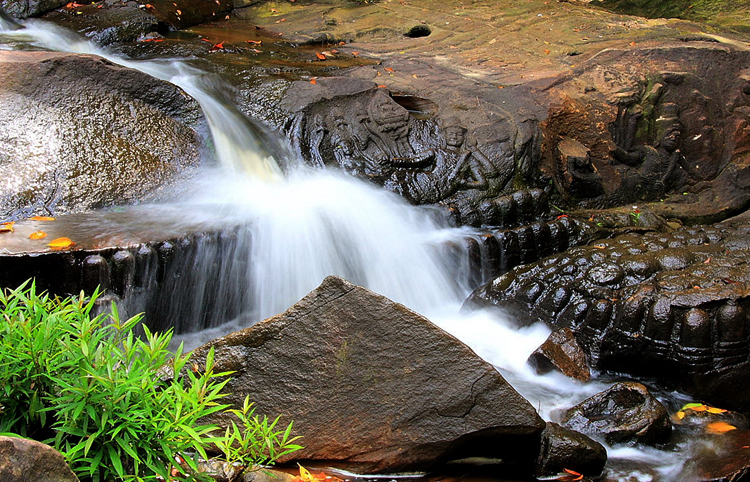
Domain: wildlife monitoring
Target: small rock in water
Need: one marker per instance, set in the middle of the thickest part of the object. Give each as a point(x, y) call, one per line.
point(561, 352)
point(624, 413)
point(563, 448)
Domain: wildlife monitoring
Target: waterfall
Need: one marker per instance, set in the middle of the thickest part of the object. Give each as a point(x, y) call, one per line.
point(290, 230)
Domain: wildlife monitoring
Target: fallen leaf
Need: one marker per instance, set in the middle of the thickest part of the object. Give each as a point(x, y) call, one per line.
point(719, 427)
point(547, 51)
point(281, 20)
point(60, 243)
point(356, 54)
point(179, 12)
point(680, 415)
point(254, 42)
point(314, 81)
point(7, 227)
point(575, 474)
point(715, 410)
point(388, 69)
point(382, 86)
point(415, 76)
point(273, 10)
point(73, 5)
point(41, 218)
point(632, 44)
point(320, 56)
point(218, 2)
point(217, 47)
point(38, 235)
point(149, 6)
point(342, 43)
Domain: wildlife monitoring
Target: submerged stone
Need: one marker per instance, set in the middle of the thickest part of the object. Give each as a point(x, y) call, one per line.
point(375, 387)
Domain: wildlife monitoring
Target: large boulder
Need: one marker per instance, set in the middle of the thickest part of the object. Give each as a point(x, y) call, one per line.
point(79, 132)
point(375, 387)
point(22, 460)
point(666, 305)
point(563, 448)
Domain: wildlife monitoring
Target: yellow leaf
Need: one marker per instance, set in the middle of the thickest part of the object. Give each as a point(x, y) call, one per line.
point(7, 227)
point(60, 243)
point(680, 415)
point(41, 218)
point(719, 427)
point(305, 475)
point(38, 235)
point(715, 410)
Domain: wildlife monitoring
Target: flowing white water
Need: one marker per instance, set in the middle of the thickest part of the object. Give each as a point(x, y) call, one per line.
point(310, 224)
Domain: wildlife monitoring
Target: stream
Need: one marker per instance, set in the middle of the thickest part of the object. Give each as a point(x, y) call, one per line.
point(306, 224)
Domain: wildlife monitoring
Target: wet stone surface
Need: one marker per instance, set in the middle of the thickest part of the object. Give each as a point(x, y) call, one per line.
point(666, 305)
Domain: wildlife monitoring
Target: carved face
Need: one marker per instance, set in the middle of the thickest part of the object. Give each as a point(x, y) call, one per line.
point(454, 136)
point(671, 139)
point(388, 114)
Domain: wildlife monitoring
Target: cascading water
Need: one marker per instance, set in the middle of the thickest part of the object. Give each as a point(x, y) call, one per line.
point(291, 231)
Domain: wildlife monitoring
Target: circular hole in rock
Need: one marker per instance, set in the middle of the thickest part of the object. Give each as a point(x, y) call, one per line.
point(418, 31)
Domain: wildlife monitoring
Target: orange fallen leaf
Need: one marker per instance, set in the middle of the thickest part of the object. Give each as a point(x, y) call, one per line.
point(60, 243)
point(254, 42)
point(342, 43)
point(320, 56)
point(217, 47)
point(388, 69)
point(632, 44)
point(719, 427)
point(576, 475)
point(179, 12)
point(382, 87)
point(273, 10)
point(38, 235)
point(281, 20)
point(314, 81)
point(715, 410)
point(7, 227)
point(41, 218)
point(73, 5)
point(355, 54)
point(547, 51)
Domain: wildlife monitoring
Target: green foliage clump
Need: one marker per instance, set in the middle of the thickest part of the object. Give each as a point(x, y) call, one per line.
point(118, 406)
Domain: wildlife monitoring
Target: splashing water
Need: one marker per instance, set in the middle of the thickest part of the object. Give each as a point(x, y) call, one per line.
point(311, 224)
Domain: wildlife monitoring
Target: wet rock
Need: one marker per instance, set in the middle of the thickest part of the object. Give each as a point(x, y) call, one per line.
point(561, 352)
point(723, 459)
point(22, 460)
point(81, 132)
point(670, 306)
point(105, 26)
point(375, 387)
point(30, 8)
point(563, 448)
point(624, 413)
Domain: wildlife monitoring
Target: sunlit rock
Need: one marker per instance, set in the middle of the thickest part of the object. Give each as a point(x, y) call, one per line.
point(22, 460)
point(79, 132)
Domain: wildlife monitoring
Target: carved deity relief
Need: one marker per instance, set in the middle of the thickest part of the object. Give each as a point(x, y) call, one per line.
point(426, 161)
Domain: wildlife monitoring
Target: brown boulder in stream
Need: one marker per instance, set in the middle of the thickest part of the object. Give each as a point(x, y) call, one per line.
point(375, 387)
point(79, 132)
point(22, 460)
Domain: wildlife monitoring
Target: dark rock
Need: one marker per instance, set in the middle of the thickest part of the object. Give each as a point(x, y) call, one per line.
point(638, 305)
point(182, 14)
point(561, 352)
point(30, 8)
point(22, 460)
point(624, 413)
point(105, 26)
point(81, 132)
point(375, 387)
point(563, 448)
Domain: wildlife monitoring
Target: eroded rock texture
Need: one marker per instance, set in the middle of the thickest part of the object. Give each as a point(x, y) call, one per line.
point(79, 132)
point(672, 306)
point(375, 387)
point(361, 129)
point(665, 123)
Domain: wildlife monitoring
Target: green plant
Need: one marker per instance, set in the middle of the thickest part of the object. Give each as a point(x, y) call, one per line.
point(117, 406)
point(255, 440)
